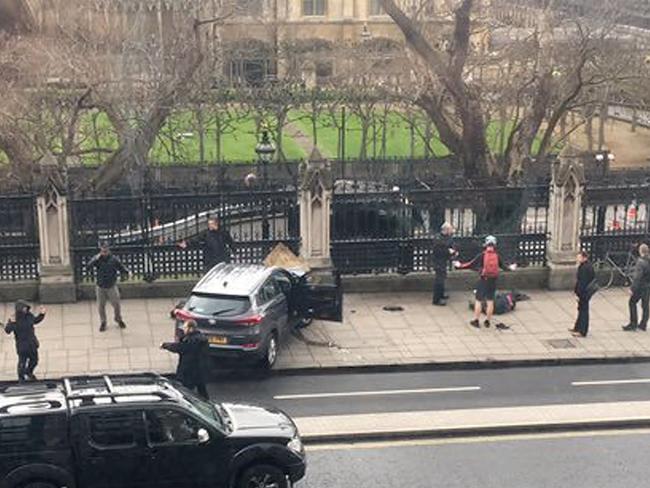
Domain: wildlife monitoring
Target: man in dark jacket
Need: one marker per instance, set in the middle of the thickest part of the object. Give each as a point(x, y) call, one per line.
point(217, 245)
point(640, 291)
point(443, 251)
point(192, 349)
point(584, 291)
point(22, 326)
point(106, 268)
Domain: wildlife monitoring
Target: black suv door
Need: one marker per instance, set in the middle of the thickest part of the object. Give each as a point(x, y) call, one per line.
point(111, 449)
point(183, 451)
point(320, 298)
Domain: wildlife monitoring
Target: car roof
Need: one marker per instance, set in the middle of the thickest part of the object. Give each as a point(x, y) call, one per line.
point(84, 391)
point(233, 279)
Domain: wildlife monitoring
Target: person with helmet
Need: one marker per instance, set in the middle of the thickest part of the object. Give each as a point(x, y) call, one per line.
point(443, 252)
point(488, 264)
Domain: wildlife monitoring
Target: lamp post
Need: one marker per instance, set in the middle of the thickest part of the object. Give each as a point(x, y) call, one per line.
point(265, 150)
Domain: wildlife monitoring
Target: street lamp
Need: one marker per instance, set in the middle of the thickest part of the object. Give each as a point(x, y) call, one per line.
point(265, 150)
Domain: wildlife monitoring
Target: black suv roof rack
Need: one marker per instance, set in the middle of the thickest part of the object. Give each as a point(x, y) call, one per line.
point(90, 388)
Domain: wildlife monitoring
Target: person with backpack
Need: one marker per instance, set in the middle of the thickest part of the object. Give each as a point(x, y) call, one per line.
point(640, 291)
point(584, 290)
point(21, 325)
point(443, 252)
point(488, 264)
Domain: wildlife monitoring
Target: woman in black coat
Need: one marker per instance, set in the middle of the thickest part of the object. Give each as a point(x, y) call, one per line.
point(22, 326)
point(584, 292)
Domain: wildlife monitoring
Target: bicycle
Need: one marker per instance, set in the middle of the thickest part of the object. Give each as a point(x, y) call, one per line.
point(608, 269)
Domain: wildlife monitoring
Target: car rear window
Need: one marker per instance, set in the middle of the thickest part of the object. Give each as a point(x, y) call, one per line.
point(217, 305)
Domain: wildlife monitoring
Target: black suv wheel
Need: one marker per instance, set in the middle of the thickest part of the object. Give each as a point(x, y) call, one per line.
point(263, 476)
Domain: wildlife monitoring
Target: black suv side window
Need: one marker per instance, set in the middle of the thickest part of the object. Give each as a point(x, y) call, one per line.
point(171, 427)
point(114, 429)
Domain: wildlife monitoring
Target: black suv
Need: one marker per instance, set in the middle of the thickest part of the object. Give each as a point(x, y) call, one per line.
point(140, 431)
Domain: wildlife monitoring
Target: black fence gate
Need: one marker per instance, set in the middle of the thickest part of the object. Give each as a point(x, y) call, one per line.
point(145, 231)
point(19, 249)
point(375, 230)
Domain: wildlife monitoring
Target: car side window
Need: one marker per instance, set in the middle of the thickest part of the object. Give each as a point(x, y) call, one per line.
point(283, 282)
point(114, 429)
point(267, 292)
point(171, 427)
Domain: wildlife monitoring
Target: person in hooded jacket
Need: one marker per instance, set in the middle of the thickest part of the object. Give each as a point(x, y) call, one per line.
point(640, 291)
point(21, 325)
point(192, 348)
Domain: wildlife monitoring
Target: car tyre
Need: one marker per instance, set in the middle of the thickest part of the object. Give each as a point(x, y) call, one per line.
point(271, 352)
point(263, 476)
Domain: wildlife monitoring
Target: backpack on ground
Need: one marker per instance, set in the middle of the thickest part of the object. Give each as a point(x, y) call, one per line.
point(490, 264)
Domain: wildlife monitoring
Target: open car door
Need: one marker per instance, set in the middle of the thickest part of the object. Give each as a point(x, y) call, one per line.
point(321, 297)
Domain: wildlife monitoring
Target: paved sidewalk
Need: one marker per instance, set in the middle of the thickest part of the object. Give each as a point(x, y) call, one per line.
point(421, 333)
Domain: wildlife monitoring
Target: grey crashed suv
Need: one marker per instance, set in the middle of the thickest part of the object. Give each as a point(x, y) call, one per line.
point(246, 311)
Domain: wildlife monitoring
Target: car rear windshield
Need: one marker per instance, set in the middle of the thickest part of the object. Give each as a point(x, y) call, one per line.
point(217, 305)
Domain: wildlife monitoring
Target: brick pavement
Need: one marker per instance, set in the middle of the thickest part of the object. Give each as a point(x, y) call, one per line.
point(71, 343)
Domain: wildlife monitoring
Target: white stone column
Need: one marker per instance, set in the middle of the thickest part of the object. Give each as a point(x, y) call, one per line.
point(565, 219)
point(56, 276)
point(316, 192)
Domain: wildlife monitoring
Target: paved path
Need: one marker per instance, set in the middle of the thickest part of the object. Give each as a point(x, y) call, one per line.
point(71, 343)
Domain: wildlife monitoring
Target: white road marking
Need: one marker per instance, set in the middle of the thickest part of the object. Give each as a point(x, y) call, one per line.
point(639, 381)
point(419, 391)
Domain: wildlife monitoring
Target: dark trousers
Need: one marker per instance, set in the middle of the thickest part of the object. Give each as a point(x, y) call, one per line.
point(27, 362)
point(582, 322)
point(642, 296)
point(439, 285)
point(197, 386)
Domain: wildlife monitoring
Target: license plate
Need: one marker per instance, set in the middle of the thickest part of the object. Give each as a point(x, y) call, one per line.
point(217, 340)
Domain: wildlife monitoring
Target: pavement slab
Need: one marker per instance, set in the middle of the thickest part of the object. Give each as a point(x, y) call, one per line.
point(368, 335)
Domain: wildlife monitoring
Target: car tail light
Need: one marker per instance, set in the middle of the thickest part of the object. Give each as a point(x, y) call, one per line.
point(184, 314)
point(250, 321)
point(252, 345)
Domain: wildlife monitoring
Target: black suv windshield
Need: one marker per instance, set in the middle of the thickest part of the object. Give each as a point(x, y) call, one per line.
point(209, 411)
point(217, 305)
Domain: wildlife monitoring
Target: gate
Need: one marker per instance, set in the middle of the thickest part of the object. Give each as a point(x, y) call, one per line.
point(19, 250)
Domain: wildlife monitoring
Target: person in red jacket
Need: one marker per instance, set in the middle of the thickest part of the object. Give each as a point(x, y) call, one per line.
point(488, 264)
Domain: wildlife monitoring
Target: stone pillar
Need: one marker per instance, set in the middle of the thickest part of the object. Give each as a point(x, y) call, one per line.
point(565, 213)
point(56, 276)
point(316, 191)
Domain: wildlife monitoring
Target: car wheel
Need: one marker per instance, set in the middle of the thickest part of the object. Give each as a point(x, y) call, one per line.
point(263, 476)
point(271, 352)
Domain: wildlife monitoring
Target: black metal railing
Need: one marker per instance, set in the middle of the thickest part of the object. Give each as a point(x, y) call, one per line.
point(146, 231)
point(381, 230)
point(615, 219)
point(19, 248)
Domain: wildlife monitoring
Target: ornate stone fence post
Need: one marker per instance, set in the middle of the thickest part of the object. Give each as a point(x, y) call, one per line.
point(565, 212)
point(56, 276)
point(316, 190)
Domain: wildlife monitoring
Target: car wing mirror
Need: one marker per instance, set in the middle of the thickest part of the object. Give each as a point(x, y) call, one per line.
point(203, 436)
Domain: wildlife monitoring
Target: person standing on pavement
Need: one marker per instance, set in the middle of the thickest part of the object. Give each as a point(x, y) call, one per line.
point(443, 252)
point(217, 245)
point(583, 290)
point(106, 268)
point(21, 325)
point(488, 264)
point(640, 291)
point(192, 348)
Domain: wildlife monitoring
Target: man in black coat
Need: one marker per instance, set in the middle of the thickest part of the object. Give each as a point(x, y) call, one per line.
point(584, 291)
point(217, 245)
point(443, 252)
point(192, 349)
point(640, 291)
point(107, 268)
point(22, 326)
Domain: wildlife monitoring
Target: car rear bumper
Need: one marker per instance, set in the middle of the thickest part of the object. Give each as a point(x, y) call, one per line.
point(236, 352)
